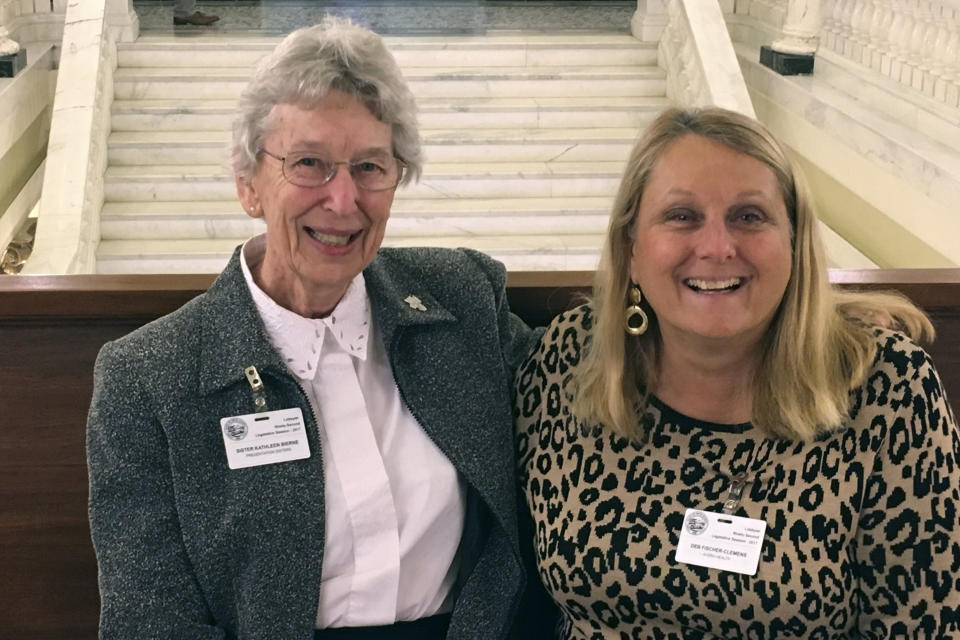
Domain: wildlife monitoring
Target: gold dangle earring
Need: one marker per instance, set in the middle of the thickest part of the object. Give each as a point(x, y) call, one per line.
point(635, 311)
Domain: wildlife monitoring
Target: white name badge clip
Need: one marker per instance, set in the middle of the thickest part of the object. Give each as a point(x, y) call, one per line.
point(267, 437)
point(722, 540)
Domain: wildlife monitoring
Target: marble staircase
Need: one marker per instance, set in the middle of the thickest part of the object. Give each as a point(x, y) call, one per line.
point(525, 135)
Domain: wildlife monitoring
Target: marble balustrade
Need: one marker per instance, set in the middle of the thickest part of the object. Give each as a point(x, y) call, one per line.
point(914, 42)
point(698, 56)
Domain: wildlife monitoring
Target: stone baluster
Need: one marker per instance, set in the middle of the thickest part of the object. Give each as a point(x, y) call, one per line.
point(842, 15)
point(861, 52)
point(846, 29)
point(902, 68)
point(889, 57)
point(914, 47)
point(836, 22)
point(827, 29)
point(939, 64)
point(854, 42)
point(947, 87)
point(921, 56)
point(879, 34)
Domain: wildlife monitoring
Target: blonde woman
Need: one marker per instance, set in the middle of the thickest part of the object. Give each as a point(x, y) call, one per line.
point(719, 445)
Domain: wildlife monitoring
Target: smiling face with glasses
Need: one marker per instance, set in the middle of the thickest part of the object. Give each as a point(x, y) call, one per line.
point(324, 185)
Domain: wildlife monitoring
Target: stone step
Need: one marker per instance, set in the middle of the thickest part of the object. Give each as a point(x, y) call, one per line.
point(525, 137)
point(437, 82)
point(519, 253)
point(442, 180)
point(440, 145)
point(461, 113)
point(504, 50)
point(408, 217)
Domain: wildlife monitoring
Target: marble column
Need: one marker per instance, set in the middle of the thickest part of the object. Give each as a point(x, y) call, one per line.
point(13, 57)
point(801, 28)
point(649, 20)
point(8, 46)
point(793, 52)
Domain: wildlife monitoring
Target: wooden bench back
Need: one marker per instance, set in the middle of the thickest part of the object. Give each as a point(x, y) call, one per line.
point(51, 328)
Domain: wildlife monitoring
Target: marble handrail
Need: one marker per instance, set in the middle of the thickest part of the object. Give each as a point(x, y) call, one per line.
point(68, 222)
point(72, 195)
point(697, 54)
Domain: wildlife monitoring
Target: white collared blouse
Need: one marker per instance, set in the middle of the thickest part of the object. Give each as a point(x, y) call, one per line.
point(394, 504)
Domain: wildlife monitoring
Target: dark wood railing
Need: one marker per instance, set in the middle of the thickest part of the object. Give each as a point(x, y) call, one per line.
point(51, 328)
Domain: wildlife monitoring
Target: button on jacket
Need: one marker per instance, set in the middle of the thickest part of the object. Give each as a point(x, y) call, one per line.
point(189, 549)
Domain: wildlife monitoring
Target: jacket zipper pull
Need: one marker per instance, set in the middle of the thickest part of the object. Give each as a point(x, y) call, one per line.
point(256, 386)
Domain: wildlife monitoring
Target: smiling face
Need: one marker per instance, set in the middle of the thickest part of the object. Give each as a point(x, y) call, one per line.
point(318, 238)
point(712, 244)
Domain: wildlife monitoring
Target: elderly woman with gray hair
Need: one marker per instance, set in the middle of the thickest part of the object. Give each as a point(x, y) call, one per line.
point(320, 445)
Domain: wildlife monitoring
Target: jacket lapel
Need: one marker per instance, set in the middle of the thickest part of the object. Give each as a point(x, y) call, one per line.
point(233, 334)
point(288, 504)
point(462, 433)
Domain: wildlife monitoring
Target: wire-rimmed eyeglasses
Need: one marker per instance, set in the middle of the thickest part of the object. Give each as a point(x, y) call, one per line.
point(376, 173)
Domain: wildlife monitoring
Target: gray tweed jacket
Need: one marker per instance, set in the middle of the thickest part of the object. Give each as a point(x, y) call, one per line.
point(189, 549)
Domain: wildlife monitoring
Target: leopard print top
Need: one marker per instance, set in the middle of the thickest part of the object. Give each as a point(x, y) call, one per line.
point(863, 525)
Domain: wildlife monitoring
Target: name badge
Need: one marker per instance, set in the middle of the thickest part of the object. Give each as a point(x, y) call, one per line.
point(719, 541)
point(264, 438)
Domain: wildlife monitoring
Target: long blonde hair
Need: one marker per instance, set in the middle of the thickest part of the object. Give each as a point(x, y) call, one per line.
point(819, 344)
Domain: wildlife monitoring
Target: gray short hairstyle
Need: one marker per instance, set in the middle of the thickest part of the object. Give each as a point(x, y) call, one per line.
point(310, 62)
